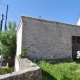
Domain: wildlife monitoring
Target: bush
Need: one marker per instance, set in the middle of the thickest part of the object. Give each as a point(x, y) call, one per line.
point(60, 71)
point(23, 54)
point(8, 41)
point(6, 70)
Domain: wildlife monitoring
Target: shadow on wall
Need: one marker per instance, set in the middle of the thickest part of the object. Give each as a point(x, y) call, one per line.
point(47, 76)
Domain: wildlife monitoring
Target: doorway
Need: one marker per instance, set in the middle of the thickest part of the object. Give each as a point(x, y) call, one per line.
point(75, 46)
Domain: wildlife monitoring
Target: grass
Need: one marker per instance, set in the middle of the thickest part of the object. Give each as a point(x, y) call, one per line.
point(60, 71)
point(6, 70)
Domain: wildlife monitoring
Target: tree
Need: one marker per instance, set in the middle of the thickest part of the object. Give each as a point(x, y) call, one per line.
point(8, 40)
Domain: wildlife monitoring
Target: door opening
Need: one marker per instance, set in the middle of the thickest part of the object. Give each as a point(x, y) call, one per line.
point(75, 46)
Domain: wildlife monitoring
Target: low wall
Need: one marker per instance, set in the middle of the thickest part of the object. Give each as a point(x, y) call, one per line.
point(23, 63)
point(27, 74)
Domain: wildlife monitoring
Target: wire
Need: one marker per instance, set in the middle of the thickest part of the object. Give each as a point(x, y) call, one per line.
point(2, 3)
point(0, 14)
point(18, 9)
point(5, 16)
point(9, 9)
point(13, 14)
point(13, 8)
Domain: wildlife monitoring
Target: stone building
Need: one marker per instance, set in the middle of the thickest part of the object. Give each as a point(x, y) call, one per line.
point(45, 39)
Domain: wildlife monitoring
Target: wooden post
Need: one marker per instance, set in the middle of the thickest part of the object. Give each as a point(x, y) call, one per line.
point(6, 17)
point(1, 49)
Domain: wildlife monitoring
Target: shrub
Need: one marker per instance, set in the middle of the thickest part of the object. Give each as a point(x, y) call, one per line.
point(6, 70)
point(8, 41)
point(60, 71)
point(23, 54)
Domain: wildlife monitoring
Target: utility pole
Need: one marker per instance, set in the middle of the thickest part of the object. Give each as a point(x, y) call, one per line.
point(6, 17)
point(2, 21)
point(1, 49)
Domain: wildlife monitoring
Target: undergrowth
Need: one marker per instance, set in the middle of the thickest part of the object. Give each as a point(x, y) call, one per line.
point(60, 71)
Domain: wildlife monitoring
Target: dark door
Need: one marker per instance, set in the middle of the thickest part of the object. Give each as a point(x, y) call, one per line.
point(75, 46)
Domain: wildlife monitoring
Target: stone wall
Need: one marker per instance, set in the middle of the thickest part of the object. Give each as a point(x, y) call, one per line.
point(47, 39)
point(26, 74)
point(25, 70)
point(23, 63)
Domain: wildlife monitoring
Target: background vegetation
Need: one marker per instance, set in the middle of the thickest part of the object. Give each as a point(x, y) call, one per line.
point(8, 41)
point(6, 70)
point(60, 71)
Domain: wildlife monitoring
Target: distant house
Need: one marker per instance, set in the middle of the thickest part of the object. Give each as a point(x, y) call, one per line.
point(47, 39)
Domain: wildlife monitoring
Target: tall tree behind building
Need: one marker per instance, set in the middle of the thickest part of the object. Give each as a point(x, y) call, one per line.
point(8, 40)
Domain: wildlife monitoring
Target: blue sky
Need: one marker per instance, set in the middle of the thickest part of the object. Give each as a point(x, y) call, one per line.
point(67, 11)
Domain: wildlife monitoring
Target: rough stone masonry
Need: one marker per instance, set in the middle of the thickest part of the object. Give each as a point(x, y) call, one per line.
point(26, 74)
point(45, 39)
point(27, 70)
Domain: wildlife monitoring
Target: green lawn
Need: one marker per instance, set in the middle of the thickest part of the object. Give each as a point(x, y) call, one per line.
point(60, 71)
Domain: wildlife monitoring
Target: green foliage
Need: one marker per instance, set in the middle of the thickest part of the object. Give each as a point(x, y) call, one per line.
point(23, 54)
point(60, 71)
point(8, 40)
point(6, 70)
